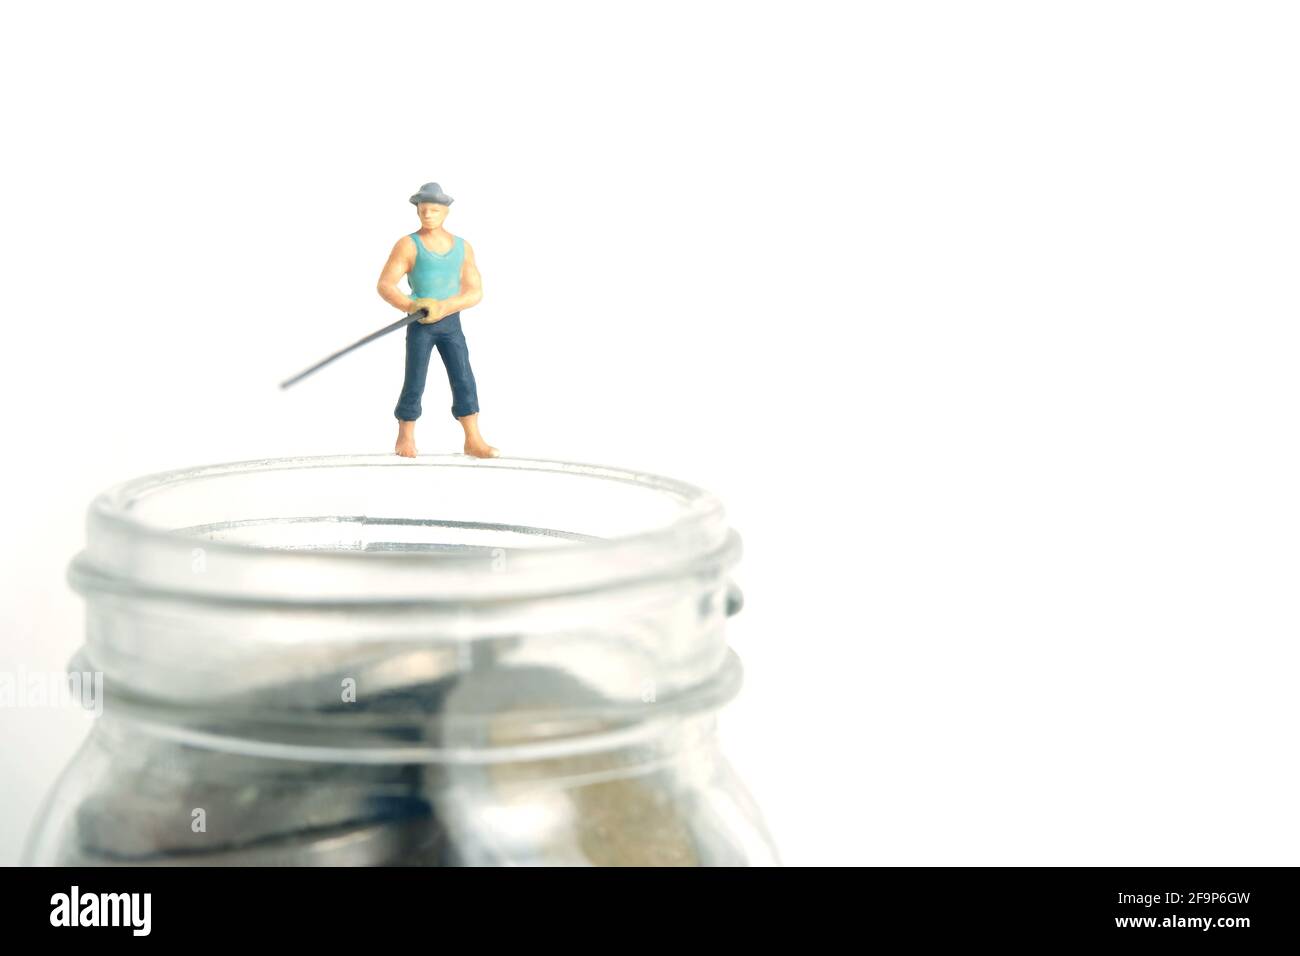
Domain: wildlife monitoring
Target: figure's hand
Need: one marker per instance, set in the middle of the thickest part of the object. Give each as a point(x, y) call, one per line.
point(433, 305)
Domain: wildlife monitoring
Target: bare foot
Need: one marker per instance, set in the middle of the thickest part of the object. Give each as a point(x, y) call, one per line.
point(405, 439)
point(474, 443)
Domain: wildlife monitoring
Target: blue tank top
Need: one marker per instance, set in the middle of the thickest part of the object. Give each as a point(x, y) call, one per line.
point(436, 276)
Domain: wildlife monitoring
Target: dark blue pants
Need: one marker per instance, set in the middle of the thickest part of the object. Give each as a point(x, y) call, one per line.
point(446, 334)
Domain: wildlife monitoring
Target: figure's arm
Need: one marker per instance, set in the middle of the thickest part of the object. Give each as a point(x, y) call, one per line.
point(399, 264)
point(471, 286)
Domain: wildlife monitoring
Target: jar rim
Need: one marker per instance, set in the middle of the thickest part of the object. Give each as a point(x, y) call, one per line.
point(127, 553)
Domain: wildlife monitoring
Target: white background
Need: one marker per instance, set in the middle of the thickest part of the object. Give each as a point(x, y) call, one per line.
point(981, 318)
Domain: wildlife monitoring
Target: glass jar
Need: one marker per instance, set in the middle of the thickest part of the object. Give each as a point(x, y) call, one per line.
point(373, 660)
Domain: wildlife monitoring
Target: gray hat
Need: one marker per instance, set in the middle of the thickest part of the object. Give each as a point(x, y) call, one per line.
point(431, 192)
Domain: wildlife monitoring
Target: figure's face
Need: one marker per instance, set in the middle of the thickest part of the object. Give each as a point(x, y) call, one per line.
point(431, 214)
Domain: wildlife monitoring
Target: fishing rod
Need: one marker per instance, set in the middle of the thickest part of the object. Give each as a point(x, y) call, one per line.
point(415, 316)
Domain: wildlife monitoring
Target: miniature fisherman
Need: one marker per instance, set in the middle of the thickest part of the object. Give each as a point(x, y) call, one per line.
point(444, 280)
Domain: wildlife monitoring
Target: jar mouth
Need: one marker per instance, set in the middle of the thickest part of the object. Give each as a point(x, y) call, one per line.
point(381, 529)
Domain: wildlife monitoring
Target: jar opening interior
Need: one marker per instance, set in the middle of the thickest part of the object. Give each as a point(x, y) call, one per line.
point(439, 527)
point(436, 504)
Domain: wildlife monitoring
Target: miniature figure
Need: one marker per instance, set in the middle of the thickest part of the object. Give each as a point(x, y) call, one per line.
point(444, 280)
